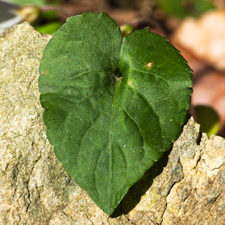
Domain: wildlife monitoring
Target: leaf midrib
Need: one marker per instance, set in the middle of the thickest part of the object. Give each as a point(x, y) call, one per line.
point(111, 138)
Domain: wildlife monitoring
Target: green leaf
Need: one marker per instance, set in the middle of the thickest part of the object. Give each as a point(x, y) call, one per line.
point(30, 2)
point(112, 106)
point(208, 118)
point(49, 28)
point(185, 8)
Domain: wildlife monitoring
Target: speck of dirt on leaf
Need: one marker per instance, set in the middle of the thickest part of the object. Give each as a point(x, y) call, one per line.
point(149, 65)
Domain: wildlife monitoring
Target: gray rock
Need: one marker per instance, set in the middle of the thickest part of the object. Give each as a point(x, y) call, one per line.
point(35, 189)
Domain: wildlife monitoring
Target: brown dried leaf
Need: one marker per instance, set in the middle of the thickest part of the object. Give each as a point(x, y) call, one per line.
point(210, 91)
point(204, 37)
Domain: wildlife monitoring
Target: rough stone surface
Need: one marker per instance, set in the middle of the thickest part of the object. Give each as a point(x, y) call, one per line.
point(35, 189)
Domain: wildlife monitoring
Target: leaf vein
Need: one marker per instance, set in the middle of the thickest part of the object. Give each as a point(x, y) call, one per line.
point(156, 75)
point(134, 122)
point(149, 104)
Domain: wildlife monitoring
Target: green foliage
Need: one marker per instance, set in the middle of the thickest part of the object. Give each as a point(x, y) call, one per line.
point(126, 29)
point(113, 106)
point(30, 2)
point(37, 2)
point(49, 28)
point(47, 22)
point(184, 8)
point(208, 119)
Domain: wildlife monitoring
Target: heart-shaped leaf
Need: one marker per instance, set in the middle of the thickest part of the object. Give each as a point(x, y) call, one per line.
point(111, 109)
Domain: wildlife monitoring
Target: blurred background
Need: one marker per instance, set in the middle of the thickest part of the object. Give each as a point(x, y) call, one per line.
point(195, 27)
